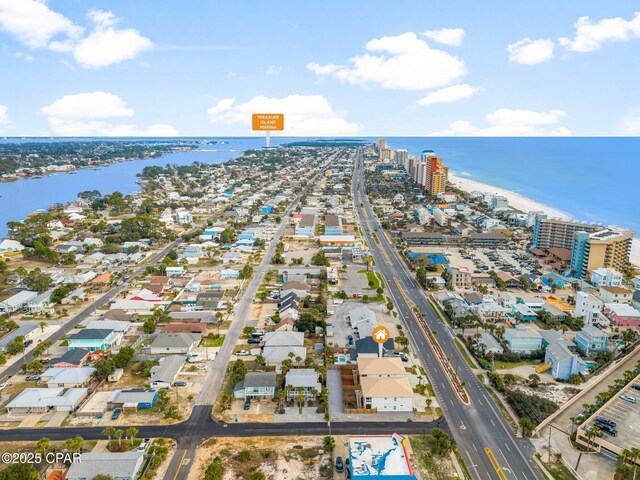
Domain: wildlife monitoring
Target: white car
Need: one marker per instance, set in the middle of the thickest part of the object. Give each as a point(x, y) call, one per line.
point(243, 353)
point(2, 385)
point(202, 367)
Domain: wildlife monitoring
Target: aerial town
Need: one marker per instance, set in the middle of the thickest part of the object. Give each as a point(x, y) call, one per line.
point(315, 312)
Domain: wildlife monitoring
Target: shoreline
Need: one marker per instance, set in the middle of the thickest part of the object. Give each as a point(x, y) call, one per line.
point(525, 204)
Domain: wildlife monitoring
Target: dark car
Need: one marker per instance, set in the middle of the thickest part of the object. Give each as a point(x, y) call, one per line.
point(637, 386)
point(32, 378)
point(254, 340)
point(247, 404)
point(28, 342)
point(180, 384)
point(606, 421)
point(339, 464)
point(116, 413)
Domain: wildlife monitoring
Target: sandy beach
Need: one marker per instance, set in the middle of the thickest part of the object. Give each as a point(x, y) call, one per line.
point(525, 204)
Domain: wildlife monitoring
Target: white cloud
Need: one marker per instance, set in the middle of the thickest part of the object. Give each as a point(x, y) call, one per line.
point(446, 36)
point(107, 45)
point(88, 114)
point(449, 94)
point(33, 23)
point(530, 52)
point(4, 115)
point(273, 70)
point(402, 62)
point(631, 126)
point(589, 36)
point(507, 122)
point(303, 115)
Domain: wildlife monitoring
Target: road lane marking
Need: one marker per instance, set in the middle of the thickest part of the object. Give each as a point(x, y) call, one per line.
point(495, 464)
point(180, 465)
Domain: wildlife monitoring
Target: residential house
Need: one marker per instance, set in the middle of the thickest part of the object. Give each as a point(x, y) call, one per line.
point(256, 385)
point(564, 363)
point(302, 381)
point(67, 377)
point(134, 306)
point(115, 325)
point(385, 385)
point(588, 307)
point(18, 301)
point(553, 336)
point(43, 400)
point(9, 246)
point(367, 347)
point(118, 465)
point(174, 343)
point(621, 314)
point(230, 273)
point(522, 339)
point(175, 271)
point(635, 300)
point(26, 331)
point(306, 226)
point(615, 295)
point(522, 313)
point(188, 327)
point(164, 374)
point(77, 295)
point(460, 276)
point(232, 257)
point(606, 277)
point(40, 303)
point(363, 320)
point(71, 359)
point(95, 339)
point(278, 346)
point(489, 344)
point(591, 340)
point(132, 399)
point(301, 290)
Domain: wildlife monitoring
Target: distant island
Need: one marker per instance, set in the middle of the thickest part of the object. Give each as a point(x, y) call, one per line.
point(38, 158)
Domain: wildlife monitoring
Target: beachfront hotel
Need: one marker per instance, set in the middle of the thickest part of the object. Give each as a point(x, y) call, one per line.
point(555, 233)
point(608, 248)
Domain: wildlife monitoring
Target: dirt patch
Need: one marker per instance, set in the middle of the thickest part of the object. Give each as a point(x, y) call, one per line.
point(559, 394)
point(286, 458)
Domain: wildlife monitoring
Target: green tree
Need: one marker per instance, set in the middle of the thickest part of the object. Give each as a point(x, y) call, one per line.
point(328, 443)
point(149, 326)
point(19, 471)
point(214, 471)
point(441, 442)
point(306, 322)
point(131, 432)
point(118, 435)
point(16, 346)
point(528, 426)
point(534, 380)
point(258, 475)
point(109, 432)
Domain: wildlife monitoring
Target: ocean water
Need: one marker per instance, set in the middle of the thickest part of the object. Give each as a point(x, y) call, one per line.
point(593, 179)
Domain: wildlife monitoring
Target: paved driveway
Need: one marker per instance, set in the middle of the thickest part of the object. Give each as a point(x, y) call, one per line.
point(334, 384)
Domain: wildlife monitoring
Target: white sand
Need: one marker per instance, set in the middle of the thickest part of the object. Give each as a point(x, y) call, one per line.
point(525, 204)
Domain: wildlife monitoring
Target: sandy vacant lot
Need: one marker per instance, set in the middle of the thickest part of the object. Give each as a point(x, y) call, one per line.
point(286, 458)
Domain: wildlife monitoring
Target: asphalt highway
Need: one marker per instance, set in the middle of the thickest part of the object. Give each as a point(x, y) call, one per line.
point(487, 444)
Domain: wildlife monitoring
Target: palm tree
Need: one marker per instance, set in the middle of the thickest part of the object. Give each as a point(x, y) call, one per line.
point(300, 399)
point(42, 325)
point(109, 432)
point(298, 360)
point(259, 361)
point(592, 433)
point(118, 434)
point(43, 446)
point(280, 396)
point(131, 432)
point(322, 371)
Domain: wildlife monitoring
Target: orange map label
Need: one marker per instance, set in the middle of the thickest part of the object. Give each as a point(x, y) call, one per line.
point(267, 121)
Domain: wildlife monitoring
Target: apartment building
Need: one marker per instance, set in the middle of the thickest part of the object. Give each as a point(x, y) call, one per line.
point(608, 248)
point(556, 233)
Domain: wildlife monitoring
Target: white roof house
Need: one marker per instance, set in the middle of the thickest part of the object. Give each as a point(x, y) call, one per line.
point(45, 399)
point(303, 380)
point(164, 374)
point(117, 325)
point(363, 321)
point(67, 377)
point(17, 301)
point(22, 331)
point(278, 346)
point(118, 465)
point(172, 343)
point(8, 245)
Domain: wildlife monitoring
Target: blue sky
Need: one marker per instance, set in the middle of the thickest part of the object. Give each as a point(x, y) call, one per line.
point(160, 67)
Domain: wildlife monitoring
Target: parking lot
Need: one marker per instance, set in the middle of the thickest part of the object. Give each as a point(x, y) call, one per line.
point(626, 416)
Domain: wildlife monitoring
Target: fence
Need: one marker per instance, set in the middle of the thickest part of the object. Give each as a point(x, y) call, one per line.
point(361, 410)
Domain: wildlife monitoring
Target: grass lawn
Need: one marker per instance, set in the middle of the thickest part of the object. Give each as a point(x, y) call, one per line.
point(498, 365)
point(430, 390)
point(372, 279)
point(557, 470)
point(464, 353)
point(125, 445)
point(215, 341)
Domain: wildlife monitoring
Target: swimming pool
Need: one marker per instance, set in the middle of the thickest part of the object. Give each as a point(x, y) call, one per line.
point(434, 258)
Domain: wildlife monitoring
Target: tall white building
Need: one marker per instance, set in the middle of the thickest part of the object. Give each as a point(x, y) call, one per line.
point(606, 277)
point(588, 307)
